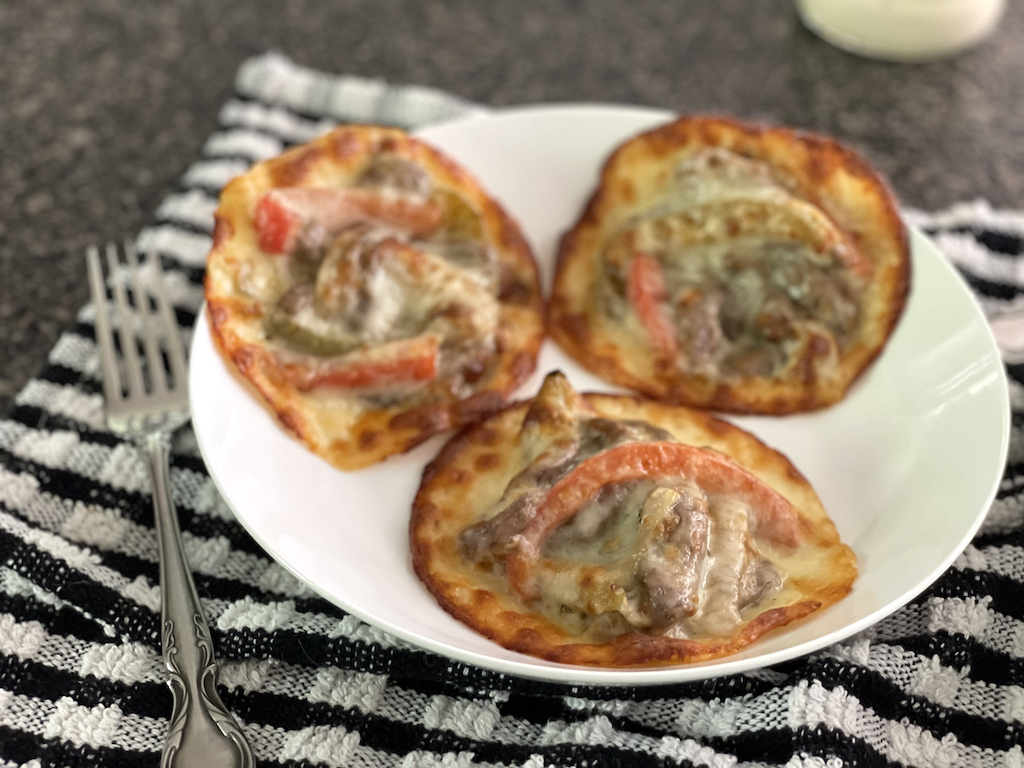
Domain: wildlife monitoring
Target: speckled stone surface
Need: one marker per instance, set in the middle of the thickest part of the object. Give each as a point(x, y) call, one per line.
point(104, 104)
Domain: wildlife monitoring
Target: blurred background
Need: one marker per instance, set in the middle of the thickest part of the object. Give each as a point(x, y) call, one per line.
point(105, 104)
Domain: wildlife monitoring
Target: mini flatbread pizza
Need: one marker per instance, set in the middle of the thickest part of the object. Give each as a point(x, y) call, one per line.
point(372, 292)
point(732, 267)
point(619, 531)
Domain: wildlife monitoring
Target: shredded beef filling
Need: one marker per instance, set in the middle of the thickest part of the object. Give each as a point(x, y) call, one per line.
point(737, 306)
point(653, 555)
point(369, 285)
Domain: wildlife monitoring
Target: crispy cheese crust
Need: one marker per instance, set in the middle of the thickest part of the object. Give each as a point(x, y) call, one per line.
point(509, 569)
point(356, 406)
point(734, 267)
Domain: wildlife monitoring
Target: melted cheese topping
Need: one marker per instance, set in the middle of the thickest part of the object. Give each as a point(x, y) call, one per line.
point(752, 274)
point(334, 299)
point(632, 556)
point(655, 554)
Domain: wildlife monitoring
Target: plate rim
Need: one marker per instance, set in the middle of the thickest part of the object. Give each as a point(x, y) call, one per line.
point(617, 677)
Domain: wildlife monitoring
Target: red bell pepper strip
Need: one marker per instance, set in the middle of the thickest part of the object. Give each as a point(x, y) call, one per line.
point(645, 290)
point(277, 226)
point(281, 214)
point(409, 361)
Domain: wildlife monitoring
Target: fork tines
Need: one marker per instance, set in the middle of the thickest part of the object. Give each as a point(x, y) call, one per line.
point(141, 313)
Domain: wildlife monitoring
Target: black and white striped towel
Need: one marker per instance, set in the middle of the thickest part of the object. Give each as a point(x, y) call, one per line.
point(940, 683)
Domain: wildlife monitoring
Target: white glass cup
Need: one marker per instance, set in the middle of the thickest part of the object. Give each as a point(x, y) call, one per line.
point(902, 30)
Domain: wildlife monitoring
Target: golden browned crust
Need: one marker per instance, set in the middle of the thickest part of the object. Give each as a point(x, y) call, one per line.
point(814, 169)
point(470, 474)
point(349, 432)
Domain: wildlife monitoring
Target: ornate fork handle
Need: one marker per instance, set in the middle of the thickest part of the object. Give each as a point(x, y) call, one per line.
point(202, 731)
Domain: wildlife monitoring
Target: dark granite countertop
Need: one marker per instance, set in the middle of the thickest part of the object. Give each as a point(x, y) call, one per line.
point(105, 104)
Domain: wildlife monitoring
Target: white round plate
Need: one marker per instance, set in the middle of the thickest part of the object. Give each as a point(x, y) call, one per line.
point(906, 465)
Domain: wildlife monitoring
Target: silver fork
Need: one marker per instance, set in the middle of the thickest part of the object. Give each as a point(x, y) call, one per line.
point(147, 407)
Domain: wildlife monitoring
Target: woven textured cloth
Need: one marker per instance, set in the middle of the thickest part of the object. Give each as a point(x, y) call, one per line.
point(939, 683)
